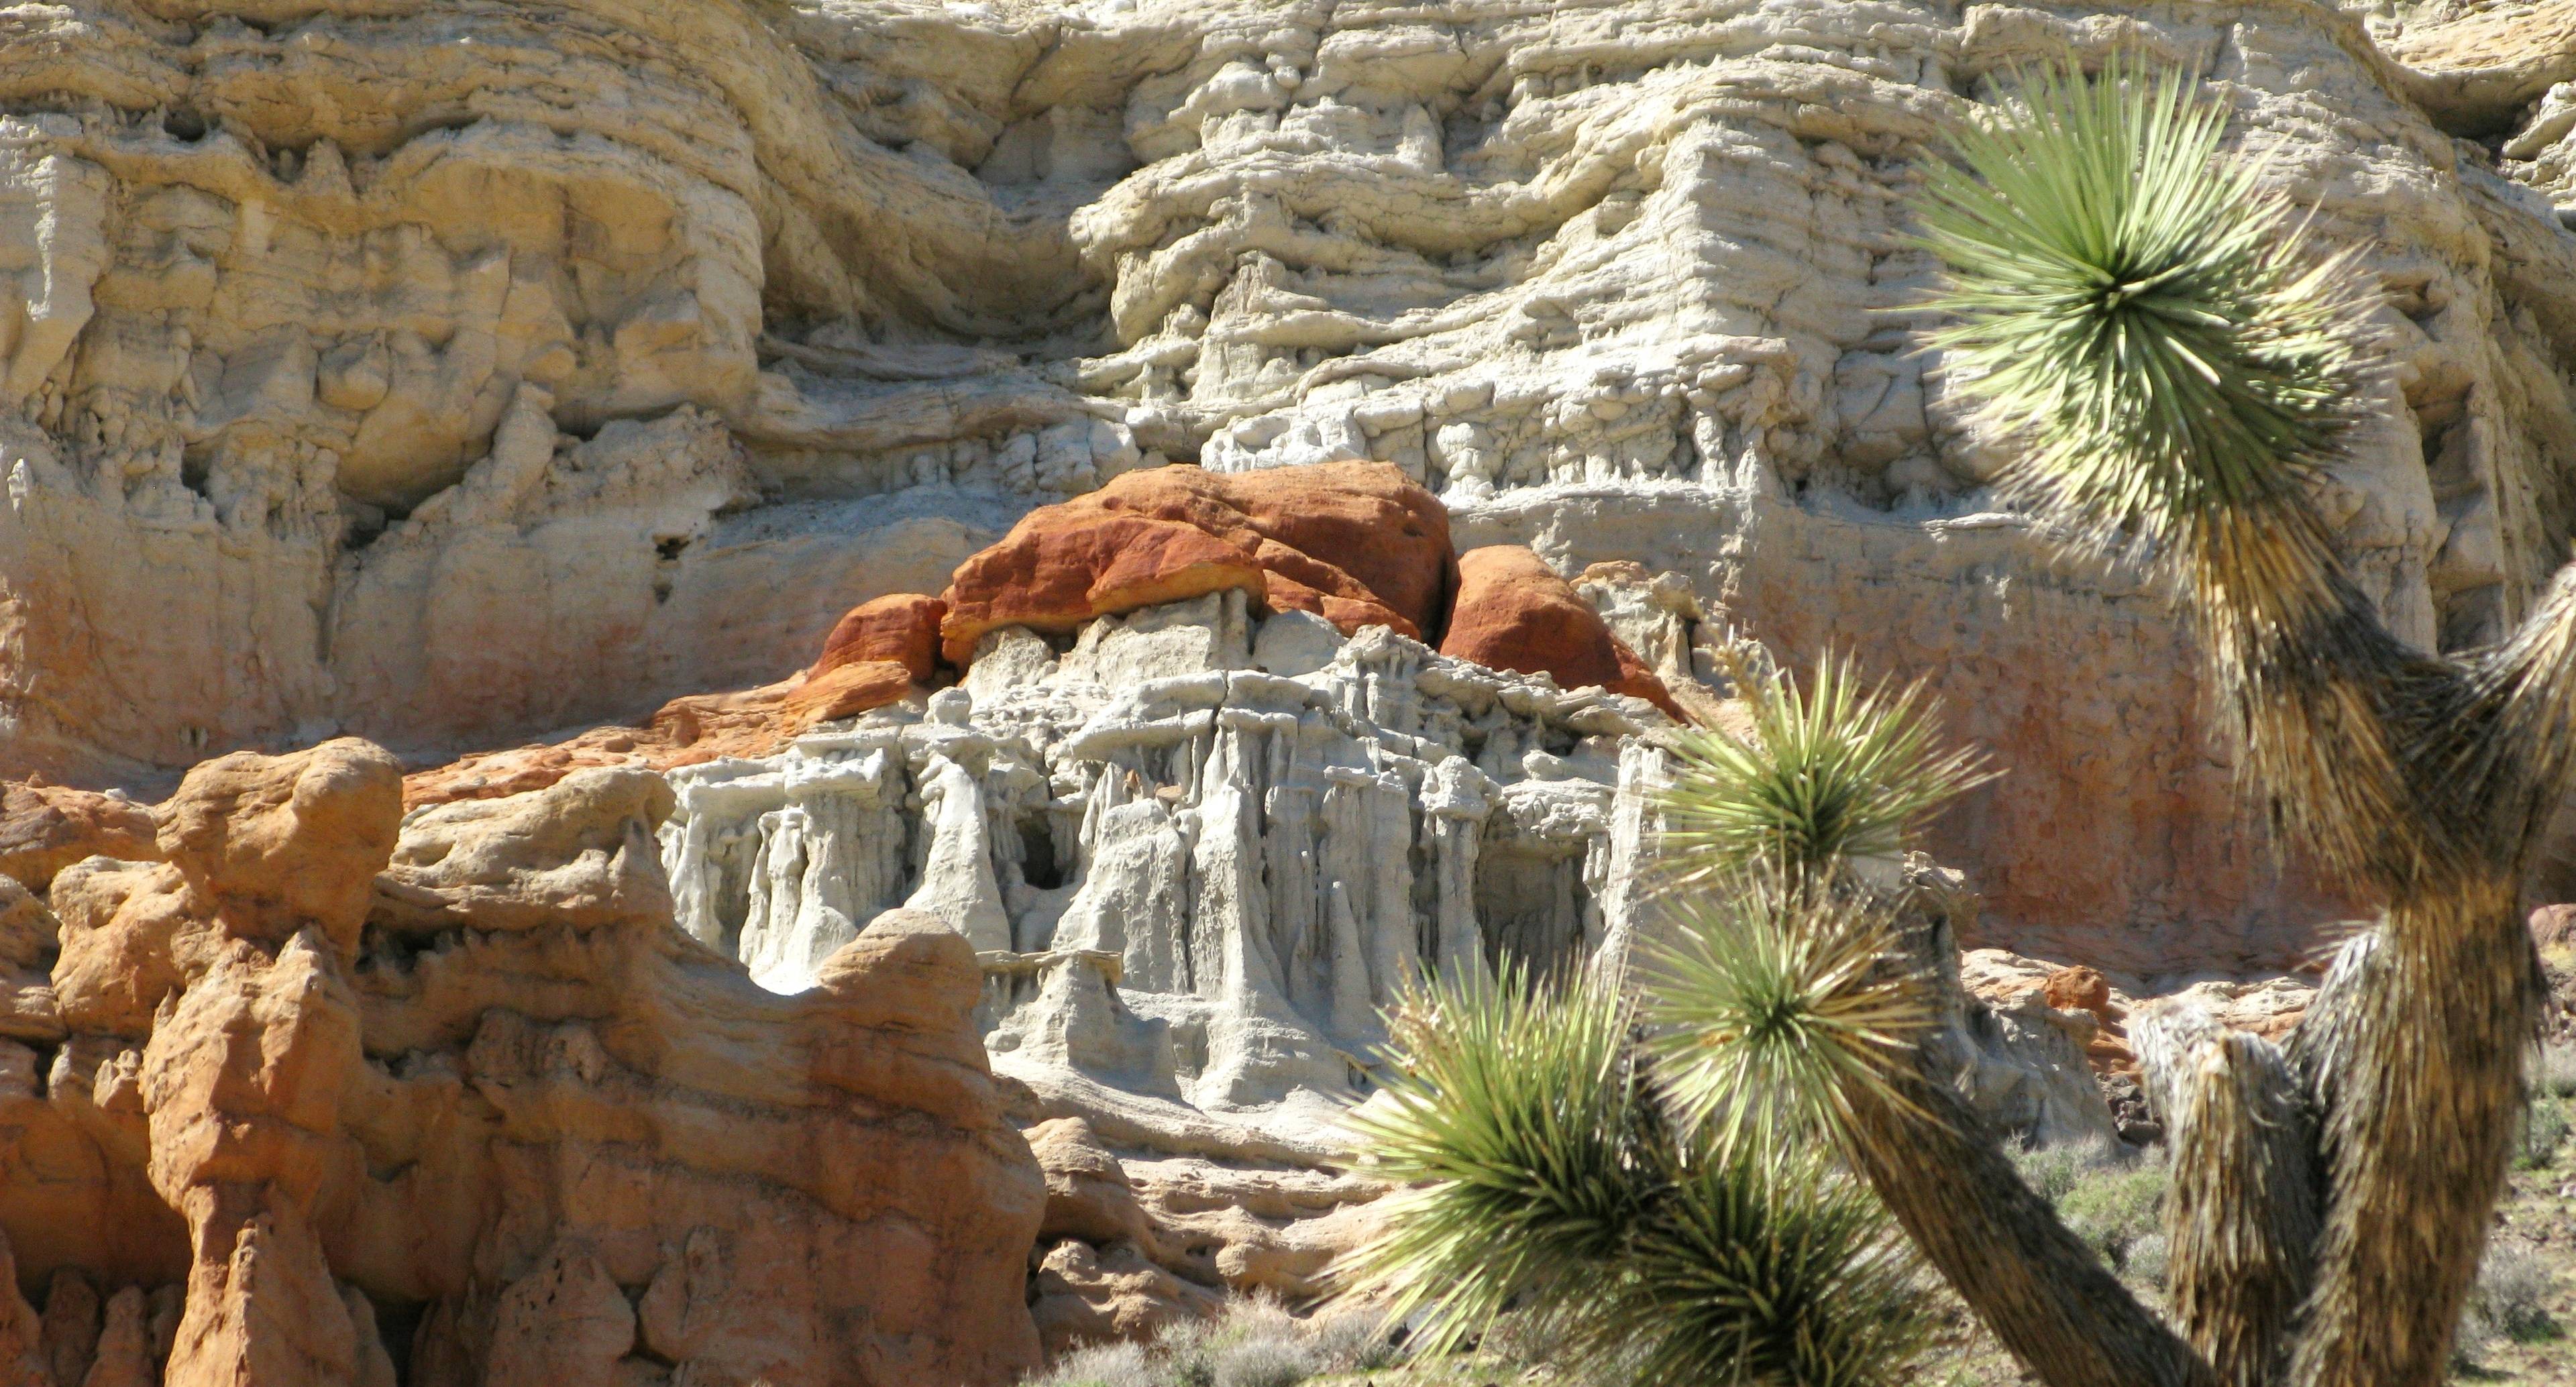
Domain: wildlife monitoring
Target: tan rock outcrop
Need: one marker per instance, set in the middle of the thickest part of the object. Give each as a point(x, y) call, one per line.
point(45, 828)
point(1356, 543)
point(329, 1063)
point(1132, 1244)
point(22, 1332)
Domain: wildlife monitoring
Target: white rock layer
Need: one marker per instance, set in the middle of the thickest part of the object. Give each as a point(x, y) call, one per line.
point(1200, 859)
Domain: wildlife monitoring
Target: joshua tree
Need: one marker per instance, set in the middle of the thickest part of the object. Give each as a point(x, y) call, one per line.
point(1548, 1180)
point(2175, 369)
point(1547, 1173)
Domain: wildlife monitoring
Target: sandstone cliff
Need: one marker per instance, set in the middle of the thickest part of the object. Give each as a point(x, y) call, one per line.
point(765, 411)
point(445, 374)
point(328, 1094)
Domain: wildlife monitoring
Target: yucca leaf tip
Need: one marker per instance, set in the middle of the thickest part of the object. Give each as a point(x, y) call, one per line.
point(1778, 1005)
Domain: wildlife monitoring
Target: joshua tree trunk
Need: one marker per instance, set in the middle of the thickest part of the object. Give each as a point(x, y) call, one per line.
point(2242, 1209)
point(2134, 309)
point(2425, 780)
point(2329, 1207)
point(2035, 1284)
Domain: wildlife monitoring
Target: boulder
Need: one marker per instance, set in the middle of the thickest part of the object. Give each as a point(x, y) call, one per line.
point(1356, 543)
point(1513, 612)
point(45, 828)
point(901, 627)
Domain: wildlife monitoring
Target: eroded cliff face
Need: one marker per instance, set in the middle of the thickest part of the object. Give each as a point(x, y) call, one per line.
point(327, 1094)
point(445, 374)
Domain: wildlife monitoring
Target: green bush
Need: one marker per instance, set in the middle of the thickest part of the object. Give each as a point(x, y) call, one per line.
point(2509, 1301)
point(2110, 1198)
point(2544, 1130)
point(2115, 1207)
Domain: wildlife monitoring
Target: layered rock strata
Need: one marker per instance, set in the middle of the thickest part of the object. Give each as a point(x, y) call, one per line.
point(370, 366)
point(334, 1095)
point(1200, 853)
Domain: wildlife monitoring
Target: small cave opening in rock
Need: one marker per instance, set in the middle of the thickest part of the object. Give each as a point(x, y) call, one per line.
point(184, 125)
point(397, 1327)
point(1038, 864)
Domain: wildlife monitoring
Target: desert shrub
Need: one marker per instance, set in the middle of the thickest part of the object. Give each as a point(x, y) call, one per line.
point(2054, 1171)
point(2148, 1259)
point(2555, 1075)
point(2115, 1207)
point(1254, 1342)
point(1186, 1354)
point(2509, 1301)
point(2110, 1198)
point(2544, 1130)
point(1110, 1365)
point(1265, 1361)
point(1351, 1342)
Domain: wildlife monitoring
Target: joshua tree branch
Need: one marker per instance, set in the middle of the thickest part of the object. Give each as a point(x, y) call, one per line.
point(2034, 1283)
point(2241, 1214)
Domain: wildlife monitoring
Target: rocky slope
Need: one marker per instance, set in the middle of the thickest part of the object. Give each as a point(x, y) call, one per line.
point(726, 451)
point(376, 364)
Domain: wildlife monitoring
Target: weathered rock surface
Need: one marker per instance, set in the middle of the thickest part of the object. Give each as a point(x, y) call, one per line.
point(371, 370)
point(45, 828)
point(901, 628)
point(1513, 612)
point(1198, 853)
point(340, 1095)
point(1358, 544)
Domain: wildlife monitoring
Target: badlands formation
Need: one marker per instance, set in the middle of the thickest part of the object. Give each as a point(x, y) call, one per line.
point(769, 691)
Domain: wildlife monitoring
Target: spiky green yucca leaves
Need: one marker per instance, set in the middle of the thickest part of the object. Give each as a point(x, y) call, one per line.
point(1770, 1267)
point(2136, 316)
point(1833, 770)
point(1517, 1110)
point(1778, 1005)
point(1545, 1179)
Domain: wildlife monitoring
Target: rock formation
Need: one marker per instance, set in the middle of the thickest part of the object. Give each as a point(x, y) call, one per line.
point(460, 376)
point(1513, 612)
point(335, 1095)
point(373, 366)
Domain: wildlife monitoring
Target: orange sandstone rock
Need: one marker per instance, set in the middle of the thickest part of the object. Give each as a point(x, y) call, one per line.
point(45, 828)
point(683, 732)
point(901, 627)
point(1513, 612)
point(330, 1056)
point(1356, 543)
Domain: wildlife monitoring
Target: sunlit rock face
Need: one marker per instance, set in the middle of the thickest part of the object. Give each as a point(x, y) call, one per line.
point(1201, 854)
point(1198, 855)
point(450, 376)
